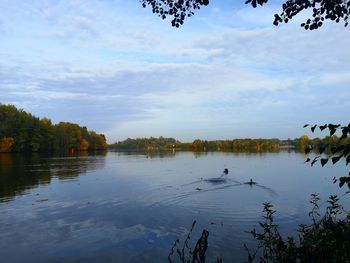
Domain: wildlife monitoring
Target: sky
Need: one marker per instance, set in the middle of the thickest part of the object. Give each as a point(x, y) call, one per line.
point(118, 69)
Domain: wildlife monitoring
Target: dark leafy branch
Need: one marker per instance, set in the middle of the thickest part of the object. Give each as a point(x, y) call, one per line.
point(185, 254)
point(334, 10)
point(339, 150)
point(326, 239)
point(178, 10)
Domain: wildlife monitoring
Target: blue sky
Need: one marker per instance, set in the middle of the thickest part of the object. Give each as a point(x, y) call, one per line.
point(118, 69)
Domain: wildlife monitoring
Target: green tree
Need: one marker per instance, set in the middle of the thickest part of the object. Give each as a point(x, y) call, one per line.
point(49, 140)
point(146, 144)
point(97, 141)
point(31, 134)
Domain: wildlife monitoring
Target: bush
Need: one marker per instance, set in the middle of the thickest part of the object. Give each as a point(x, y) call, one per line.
point(326, 239)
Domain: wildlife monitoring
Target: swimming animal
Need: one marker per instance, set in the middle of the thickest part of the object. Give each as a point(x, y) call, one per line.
point(225, 171)
point(251, 182)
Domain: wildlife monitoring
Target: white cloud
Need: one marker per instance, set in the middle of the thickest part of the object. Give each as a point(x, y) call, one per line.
point(49, 95)
point(336, 78)
point(285, 48)
point(75, 27)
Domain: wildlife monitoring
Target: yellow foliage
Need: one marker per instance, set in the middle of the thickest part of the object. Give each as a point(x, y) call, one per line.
point(6, 144)
point(84, 145)
point(304, 138)
point(46, 121)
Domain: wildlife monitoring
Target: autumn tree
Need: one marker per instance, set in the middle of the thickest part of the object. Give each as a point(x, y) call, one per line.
point(97, 141)
point(84, 145)
point(6, 144)
point(22, 132)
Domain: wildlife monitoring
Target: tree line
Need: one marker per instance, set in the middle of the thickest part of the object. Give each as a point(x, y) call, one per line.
point(247, 144)
point(20, 131)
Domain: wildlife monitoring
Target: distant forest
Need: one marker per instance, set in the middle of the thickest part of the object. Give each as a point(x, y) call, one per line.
point(22, 132)
point(249, 145)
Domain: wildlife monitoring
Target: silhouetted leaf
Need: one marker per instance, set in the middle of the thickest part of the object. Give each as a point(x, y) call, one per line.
point(333, 128)
point(348, 160)
point(322, 127)
point(336, 126)
point(314, 161)
point(345, 132)
point(307, 160)
point(324, 161)
point(332, 131)
point(335, 159)
point(344, 180)
point(334, 149)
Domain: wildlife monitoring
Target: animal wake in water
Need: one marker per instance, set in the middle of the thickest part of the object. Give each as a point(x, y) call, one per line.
point(216, 180)
point(251, 183)
point(223, 182)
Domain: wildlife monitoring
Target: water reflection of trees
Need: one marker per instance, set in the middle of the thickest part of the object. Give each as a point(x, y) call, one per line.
point(173, 153)
point(148, 154)
point(20, 173)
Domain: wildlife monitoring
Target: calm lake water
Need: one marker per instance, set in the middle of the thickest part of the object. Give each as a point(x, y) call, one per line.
point(123, 207)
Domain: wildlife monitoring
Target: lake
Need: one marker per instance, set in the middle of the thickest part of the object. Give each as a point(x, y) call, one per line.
point(131, 207)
